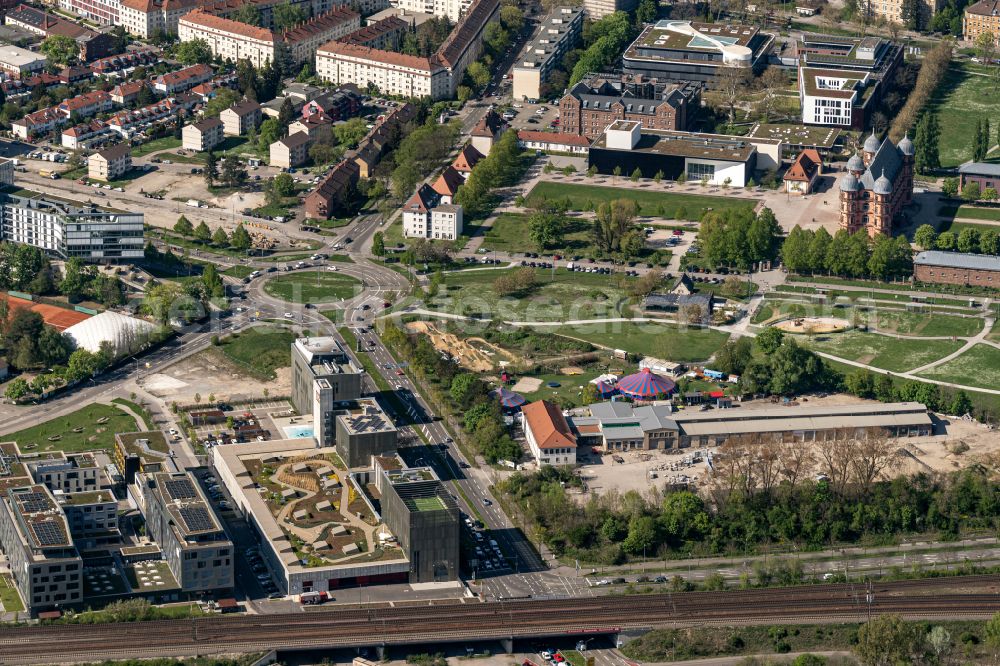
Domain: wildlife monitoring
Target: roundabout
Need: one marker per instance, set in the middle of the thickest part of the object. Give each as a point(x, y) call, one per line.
point(316, 286)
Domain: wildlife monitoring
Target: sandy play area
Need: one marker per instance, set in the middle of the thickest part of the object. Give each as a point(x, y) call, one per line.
point(808, 325)
point(527, 385)
point(471, 353)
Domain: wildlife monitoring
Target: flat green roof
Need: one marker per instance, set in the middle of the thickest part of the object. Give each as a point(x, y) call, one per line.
point(416, 504)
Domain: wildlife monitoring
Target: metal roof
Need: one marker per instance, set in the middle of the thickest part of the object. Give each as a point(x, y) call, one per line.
point(980, 262)
point(980, 169)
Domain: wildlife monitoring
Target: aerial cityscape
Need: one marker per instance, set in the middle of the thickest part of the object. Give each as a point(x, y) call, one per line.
point(528, 332)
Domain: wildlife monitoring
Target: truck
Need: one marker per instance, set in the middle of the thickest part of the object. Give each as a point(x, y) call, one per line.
point(44, 173)
point(314, 598)
point(194, 203)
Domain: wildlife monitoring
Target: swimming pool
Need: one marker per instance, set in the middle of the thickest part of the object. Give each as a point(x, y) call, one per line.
point(298, 432)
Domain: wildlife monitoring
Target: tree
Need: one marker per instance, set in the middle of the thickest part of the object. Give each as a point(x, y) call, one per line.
point(478, 75)
point(287, 16)
point(971, 191)
point(60, 49)
point(546, 227)
point(496, 38)
point(16, 389)
point(224, 98)
point(247, 13)
point(886, 641)
point(949, 187)
point(286, 114)
point(202, 232)
point(989, 241)
point(233, 173)
point(240, 239)
point(193, 52)
point(211, 169)
point(795, 251)
point(646, 12)
point(968, 240)
point(769, 340)
point(220, 238)
point(183, 226)
point(731, 82)
point(925, 237)
point(946, 240)
point(282, 185)
point(925, 144)
point(612, 223)
point(961, 405)
point(512, 18)
point(991, 634)
point(464, 388)
point(909, 14)
point(75, 279)
point(772, 83)
point(350, 133)
point(986, 48)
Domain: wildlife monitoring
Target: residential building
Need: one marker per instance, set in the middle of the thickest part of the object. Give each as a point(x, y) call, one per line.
point(878, 184)
point(550, 439)
point(42, 558)
point(181, 520)
point(93, 45)
point(362, 431)
point(86, 105)
point(305, 39)
point(126, 93)
point(447, 184)
point(315, 127)
point(105, 12)
point(895, 11)
point(425, 216)
point(125, 62)
point(92, 517)
point(334, 105)
point(323, 374)
point(598, 100)
point(16, 62)
point(203, 135)
point(558, 34)
point(468, 158)
point(800, 178)
point(65, 473)
point(553, 142)
point(453, 9)
point(240, 118)
point(111, 163)
point(184, 79)
point(86, 135)
point(129, 122)
point(464, 44)
point(984, 174)
point(981, 17)
point(291, 151)
point(393, 73)
point(689, 51)
point(385, 34)
point(333, 191)
point(64, 229)
point(717, 159)
point(383, 136)
point(598, 9)
point(72, 74)
point(145, 18)
point(936, 267)
point(842, 80)
point(487, 131)
point(423, 515)
point(227, 38)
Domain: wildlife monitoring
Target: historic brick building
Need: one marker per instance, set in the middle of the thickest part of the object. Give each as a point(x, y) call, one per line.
point(879, 182)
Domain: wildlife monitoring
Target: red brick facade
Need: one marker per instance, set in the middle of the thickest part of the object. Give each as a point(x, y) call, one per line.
point(954, 275)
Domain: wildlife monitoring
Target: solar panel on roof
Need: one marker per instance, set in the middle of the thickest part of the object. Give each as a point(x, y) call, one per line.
point(197, 519)
point(49, 533)
point(34, 502)
point(180, 488)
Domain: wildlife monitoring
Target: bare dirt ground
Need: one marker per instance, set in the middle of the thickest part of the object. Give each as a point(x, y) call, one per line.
point(209, 374)
point(178, 186)
point(526, 385)
point(813, 325)
point(471, 353)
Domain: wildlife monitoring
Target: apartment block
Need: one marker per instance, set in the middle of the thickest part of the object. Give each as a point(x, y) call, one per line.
point(981, 17)
point(105, 12)
point(291, 151)
point(181, 520)
point(362, 431)
point(42, 557)
point(558, 34)
point(240, 118)
point(203, 135)
point(598, 9)
point(111, 163)
point(323, 374)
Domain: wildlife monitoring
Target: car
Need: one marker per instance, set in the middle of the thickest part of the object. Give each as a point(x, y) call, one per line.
point(619, 581)
point(464, 465)
point(558, 658)
point(288, 315)
point(486, 502)
point(400, 373)
point(275, 595)
point(603, 582)
point(546, 655)
point(332, 268)
point(173, 431)
point(660, 579)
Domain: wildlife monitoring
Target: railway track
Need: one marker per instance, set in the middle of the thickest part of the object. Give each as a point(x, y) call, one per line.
point(355, 626)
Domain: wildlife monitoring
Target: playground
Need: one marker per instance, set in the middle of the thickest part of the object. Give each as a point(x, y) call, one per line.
point(813, 325)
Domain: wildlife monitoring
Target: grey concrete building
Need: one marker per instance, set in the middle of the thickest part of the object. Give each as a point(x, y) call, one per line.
point(75, 473)
point(323, 374)
point(43, 559)
point(193, 541)
point(364, 431)
point(425, 518)
point(92, 516)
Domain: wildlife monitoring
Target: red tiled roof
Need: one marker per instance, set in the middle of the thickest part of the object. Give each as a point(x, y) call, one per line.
point(422, 201)
point(553, 137)
point(548, 425)
point(488, 125)
point(467, 158)
point(378, 55)
point(805, 166)
point(465, 32)
point(448, 182)
point(201, 18)
point(321, 23)
point(370, 33)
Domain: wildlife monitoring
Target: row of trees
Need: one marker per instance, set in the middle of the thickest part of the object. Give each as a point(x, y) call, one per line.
point(933, 69)
point(739, 237)
point(969, 239)
point(847, 255)
point(238, 240)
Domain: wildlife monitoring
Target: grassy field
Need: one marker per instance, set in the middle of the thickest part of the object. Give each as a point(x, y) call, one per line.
point(970, 213)
point(9, 598)
point(561, 296)
point(915, 323)
point(962, 99)
point(668, 341)
point(312, 287)
point(845, 289)
point(881, 351)
point(980, 366)
point(509, 233)
point(583, 197)
point(163, 143)
point(238, 271)
point(91, 436)
point(260, 350)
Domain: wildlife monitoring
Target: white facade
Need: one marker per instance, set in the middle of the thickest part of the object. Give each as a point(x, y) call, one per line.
point(237, 42)
point(105, 12)
point(444, 222)
point(548, 455)
point(716, 171)
point(394, 74)
point(559, 32)
point(453, 9)
point(828, 96)
point(17, 62)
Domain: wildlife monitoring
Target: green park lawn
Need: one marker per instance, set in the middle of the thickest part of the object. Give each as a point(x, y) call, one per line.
point(967, 212)
point(584, 197)
point(882, 351)
point(668, 341)
point(260, 350)
point(509, 233)
point(312, 287)
point(238, 271)
point(92, 435)
point(902, 322)
point(556, 296)
point(960, 101)
point(980, 366)
point(163, 143)
point(9, 598)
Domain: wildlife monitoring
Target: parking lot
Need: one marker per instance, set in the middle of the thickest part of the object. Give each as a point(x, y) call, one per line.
point(541, 117)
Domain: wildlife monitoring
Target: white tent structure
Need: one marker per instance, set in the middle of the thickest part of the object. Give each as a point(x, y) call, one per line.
point(125, 334)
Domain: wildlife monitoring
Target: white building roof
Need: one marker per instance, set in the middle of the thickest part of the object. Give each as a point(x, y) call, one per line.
point(126, 334)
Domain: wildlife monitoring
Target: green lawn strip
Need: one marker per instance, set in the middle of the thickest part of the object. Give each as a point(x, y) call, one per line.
point(510, 233)
point(260, 350)
point(994, 334)
point(9, 597)
point(94, 435)
point(962, 100)
point(582, 197)
point(287, 257)
point(192, 244)
point(980, 366)
point(163, 143)
point(860, 292)
point(968, 212)
point(558, 295)
point(312, 287)
point(335, 316)
point(881, 351)
point(138, 409)
point(574, 657)
point(903, 322)
point(239, 271)
point(668, 341)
